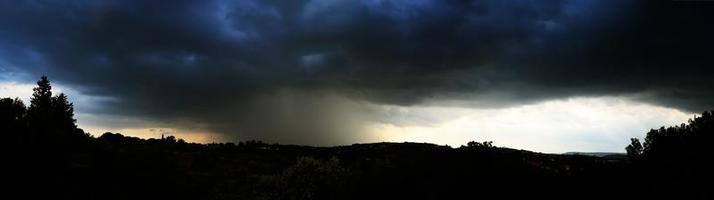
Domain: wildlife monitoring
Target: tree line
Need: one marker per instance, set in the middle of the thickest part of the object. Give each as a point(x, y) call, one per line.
point(47, 122)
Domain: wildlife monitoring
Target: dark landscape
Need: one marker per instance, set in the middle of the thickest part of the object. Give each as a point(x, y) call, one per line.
point(357, 99)
point(49, 157)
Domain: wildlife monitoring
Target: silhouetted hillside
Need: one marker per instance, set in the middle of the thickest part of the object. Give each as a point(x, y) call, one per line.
point(598, 154)
point(50, 158)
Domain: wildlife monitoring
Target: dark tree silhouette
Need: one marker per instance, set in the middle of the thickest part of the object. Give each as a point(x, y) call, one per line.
point(681, 141)
point(634, 150)
point(42, 95)
point(170, 139)
point(38, 114)
point(478, 145)
point(63, 112)
point(50, 119)
point(64, 122)
point(13, 110)
point(12, 120)
point(676, 161)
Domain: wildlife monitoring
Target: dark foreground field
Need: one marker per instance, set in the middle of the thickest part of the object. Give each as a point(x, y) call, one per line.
point(118, 167)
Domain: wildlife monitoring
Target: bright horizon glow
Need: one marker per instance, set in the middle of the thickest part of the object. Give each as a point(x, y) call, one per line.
point(158, 132)
point(588, 124)
point(14, 89)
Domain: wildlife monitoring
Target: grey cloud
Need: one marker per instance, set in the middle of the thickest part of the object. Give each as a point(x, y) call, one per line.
point(207, 63)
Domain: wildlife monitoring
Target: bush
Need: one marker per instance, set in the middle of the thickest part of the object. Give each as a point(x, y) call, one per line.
point(310, 178)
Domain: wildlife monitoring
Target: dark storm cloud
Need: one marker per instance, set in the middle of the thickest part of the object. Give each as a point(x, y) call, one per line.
point(216, 63)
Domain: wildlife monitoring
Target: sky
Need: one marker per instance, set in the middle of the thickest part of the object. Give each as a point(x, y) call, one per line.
point(549, 76)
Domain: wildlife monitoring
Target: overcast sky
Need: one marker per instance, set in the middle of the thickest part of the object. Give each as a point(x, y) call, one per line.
point(549, 76)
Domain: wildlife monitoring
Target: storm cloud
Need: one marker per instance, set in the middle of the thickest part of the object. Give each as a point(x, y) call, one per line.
point(299, 71)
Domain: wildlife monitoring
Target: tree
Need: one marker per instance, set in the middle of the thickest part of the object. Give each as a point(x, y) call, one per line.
point(684, 147)
point(170, 139)
point(12, 119)
point(42, 96)
point(63, 112)
point(634, 150)
point(477, 145)
point(51, 118)
point(677, 160)
point(38, 114)
point(690, 139)
point(11, 111)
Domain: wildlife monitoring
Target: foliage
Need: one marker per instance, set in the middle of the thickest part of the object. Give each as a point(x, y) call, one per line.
point(12, 119)
point(478, 145)
point(634, 149)
point(689, 140)
point(47, 123)
point(310, 178)
point(677, 159)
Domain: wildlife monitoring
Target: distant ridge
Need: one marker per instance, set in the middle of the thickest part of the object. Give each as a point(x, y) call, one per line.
point(596, 154)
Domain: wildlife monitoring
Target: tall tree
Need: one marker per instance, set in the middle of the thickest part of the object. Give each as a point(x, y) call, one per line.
point(42, 96)
point(51, 118)
point(63, 112)
point(38, 114)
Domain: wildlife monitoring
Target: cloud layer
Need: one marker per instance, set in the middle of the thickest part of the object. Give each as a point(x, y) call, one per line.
point(302, 71)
